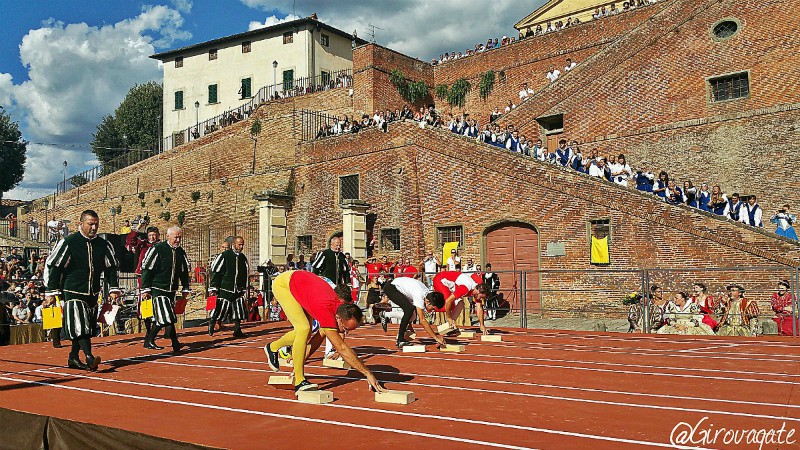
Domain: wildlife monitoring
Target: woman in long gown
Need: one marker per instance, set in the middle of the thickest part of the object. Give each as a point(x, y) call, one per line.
point(782, 306)
point(683, 316)
point(706, 304)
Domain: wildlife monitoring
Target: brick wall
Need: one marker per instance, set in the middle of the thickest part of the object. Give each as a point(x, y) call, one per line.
point(529, 60)
point(372, 89)
point(407, 176)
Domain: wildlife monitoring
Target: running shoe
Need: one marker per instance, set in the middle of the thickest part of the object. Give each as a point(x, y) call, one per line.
point(384, 322)
point(401, 344)
point(305, 386)
point(272, 359)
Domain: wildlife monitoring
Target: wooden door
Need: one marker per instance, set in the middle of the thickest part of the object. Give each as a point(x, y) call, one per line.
point(512, 248)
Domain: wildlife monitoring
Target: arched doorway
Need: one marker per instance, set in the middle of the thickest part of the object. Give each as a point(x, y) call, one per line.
point(512, 247)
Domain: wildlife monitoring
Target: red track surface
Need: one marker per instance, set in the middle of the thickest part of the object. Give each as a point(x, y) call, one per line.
point(536, 389)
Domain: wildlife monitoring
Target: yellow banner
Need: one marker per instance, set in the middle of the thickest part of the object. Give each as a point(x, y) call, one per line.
point(146, 307)
point(448, 246)
point(51, 317)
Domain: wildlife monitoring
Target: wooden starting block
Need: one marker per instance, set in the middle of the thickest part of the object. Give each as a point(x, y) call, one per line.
point(453, 348)
point(281, 382)
point(467, 334)
point(315, 397)
point(444, 328)
point(336, 364)
point(410, 336)
point(491, 338)
point(396, 397)
point(285, 363)
point(414, 349)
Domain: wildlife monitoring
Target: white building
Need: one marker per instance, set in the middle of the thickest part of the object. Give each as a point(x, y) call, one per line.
point(204, 81)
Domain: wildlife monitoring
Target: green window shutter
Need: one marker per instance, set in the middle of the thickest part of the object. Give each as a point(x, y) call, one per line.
point(288, 79)
point(212, 93)
point(179, 100)
point(246, 88)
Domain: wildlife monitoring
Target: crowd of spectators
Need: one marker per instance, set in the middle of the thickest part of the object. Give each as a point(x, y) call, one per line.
point(729, 313)
point(348, 125)
point(21, 289)
point(540, 30)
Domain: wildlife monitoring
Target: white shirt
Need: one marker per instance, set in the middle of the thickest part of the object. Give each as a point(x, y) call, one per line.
point(595, 170)
point(553, 76)
point(524, 94)
point(413, 289)
point(570, 66)
point(451, 263)
point(430, 265)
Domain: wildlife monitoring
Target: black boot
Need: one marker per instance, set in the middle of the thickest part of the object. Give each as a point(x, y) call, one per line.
point(173, 336)
point(56, 335)
point(237, 330)
point(149, 338)
point(211, 324)
point(75, 363)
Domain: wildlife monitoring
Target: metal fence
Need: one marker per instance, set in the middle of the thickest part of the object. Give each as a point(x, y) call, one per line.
point(295, 88)
point(314, 121)
point(127, 158)
point(203, 242)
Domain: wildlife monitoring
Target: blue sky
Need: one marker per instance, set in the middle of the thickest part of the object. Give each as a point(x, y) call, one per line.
point(64, 64)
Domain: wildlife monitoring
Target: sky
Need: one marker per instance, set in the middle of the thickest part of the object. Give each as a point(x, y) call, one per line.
point(64, 64)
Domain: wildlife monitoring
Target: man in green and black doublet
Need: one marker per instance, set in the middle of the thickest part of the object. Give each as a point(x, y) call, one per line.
point(229, 272)
point(74, 267)
point(332, 264)
point(164, 268)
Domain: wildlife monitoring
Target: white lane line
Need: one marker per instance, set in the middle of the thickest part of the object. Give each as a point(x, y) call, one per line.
point(519, 394)
point(390, 353)
point(333, 405)
point(540, 385)
point(275, 415)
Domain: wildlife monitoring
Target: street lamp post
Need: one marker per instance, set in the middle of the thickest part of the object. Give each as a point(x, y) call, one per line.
point(275, 75)
point(197, 117)
point(45, 202)
point(65, 176)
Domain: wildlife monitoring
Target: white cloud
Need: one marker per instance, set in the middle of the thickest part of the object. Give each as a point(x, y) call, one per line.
point(270, 21)
point(44, 169)
point(78, 73)
point(418, 28)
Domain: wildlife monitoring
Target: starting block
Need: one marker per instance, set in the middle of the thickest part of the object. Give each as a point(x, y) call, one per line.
point(491, 338)
point(285, 363)
point(467, 334)
point(281, 382)
point(414, 349)
point(336, 364)
point(315, 397)
point(444, 328)
point(396, 397)
point(410, 336)
point(453, 348)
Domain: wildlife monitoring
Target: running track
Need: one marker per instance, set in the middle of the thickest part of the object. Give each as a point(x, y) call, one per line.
point(536, 389)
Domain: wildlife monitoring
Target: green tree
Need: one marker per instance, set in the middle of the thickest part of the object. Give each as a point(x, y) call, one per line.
point(78, 180)
point(12, 153)
point(134, 125)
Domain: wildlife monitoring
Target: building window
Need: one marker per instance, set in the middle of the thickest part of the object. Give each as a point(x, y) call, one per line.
point(390, 239)
point(212, 54)
point(599, 240)
point(288, 37)
point(729, 87)
point(325, 40)
point(246, 47)
point(288, 79)
point(725, 29)
point(325, 77)
point(246, 90)
point(348, 188)
point(450, 234)
point(304, 245)
point(212, 93)
point(179, 62)
point(178, 99)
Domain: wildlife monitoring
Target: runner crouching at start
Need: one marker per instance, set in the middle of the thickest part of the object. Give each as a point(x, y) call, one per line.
point(305, 297)
point(453, 286)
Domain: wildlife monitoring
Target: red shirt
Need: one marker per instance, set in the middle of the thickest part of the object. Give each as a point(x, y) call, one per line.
point(462, 283)
point(408, 271)
point(316, 297)
point(138, 246)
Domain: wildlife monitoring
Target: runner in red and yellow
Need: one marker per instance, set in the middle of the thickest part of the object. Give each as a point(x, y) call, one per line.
point(305, 297)
point(453, 286)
